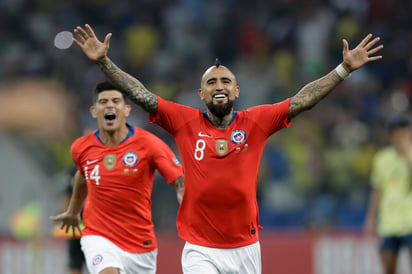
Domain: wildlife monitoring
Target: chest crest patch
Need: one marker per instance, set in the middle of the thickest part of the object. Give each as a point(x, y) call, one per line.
point(130, 159)
point(221, 146)
point(238, 136)
point(109, 161)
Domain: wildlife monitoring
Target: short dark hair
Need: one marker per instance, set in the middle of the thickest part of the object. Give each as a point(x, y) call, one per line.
point(397, 121)
point(103, 86)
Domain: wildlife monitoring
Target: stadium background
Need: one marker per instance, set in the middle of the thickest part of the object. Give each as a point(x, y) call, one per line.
point(314, 176)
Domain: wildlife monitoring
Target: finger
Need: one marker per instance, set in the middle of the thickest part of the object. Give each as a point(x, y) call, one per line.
point(375, 50)
point(73, 231)
point(345, 46)
point(78, 43)
point(80, 231)
point(107, 39)
point(90, 30)
point(372, 43)
point(365, 40)
point(81, 33)
point(374, 58)
point(79, 36)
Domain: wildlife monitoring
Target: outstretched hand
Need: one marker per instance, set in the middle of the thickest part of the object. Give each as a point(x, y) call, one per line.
point(69, 221)
point(90, 45)
point(362, 54)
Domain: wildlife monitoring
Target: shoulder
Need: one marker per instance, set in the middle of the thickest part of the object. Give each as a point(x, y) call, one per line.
point(82, 142)
point(277, 107)
point(144, 135)
point(384, 154)
point(166, 104)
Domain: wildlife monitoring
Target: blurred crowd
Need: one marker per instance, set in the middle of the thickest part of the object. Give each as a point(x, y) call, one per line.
point(314, 175)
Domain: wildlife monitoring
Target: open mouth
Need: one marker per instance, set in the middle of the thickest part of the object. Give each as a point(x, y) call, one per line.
point(110, 116)
point(219, 96)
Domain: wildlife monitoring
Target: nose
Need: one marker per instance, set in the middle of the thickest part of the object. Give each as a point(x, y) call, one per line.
point(219, 85)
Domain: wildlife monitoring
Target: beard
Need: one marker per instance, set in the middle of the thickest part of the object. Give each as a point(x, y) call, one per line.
point(220, 110)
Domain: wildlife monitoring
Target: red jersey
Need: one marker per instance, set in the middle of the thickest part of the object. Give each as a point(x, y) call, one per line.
point(219, 207)
point(119, 184)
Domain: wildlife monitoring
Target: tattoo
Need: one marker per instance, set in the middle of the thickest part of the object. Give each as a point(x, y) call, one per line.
point(129, 86)
point(313, 93)
point(179, 185)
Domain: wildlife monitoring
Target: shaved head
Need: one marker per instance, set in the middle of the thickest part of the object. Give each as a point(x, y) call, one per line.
point(218, 68)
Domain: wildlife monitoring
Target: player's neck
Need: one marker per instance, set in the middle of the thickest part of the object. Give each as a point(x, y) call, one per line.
point(220, 122)
point(113, 138)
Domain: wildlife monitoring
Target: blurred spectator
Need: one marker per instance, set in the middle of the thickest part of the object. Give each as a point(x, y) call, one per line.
point(390, 200)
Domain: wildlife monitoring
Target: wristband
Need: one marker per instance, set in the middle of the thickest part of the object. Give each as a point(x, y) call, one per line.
point(342, 72)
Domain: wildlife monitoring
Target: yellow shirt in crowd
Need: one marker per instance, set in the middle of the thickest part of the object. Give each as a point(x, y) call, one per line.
point(390, 174)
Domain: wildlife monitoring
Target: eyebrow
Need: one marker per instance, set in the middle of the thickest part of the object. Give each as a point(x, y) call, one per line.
point(110, 98)
point(215, 78)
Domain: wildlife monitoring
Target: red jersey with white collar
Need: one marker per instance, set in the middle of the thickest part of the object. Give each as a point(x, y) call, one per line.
point(119, 185)
point(219, 207)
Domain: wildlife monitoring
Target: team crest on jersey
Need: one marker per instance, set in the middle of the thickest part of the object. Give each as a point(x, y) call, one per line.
point(238, 136)
point(130, 159)
point(109, 161)
point(221, 146)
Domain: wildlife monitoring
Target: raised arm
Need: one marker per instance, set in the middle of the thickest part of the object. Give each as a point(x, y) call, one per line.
point(315, 91)
point(70, 219)
point(96, 51)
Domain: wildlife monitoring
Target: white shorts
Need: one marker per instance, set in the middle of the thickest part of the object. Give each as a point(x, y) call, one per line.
point(205, 260)
point(100, 253)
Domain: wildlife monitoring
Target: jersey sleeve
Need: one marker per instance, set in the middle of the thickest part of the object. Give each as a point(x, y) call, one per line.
point(166, 161)
point(271, 118)
point(75, 153)
point(171, 116)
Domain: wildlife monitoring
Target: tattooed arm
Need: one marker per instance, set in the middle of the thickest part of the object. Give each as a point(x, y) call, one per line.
point(179, 186)
point(314, 92)
point(96, 51)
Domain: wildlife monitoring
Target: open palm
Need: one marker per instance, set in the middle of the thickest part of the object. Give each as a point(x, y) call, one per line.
point(362, 54)
point(90, 45)
point(68, 222)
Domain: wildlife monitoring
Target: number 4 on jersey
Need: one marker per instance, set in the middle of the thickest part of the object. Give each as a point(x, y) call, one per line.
point(94, 175)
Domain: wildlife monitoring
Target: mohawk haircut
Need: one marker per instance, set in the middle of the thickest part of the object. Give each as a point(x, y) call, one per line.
point(217, 62)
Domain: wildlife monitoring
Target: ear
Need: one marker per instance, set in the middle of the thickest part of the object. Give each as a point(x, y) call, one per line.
point(93, 112)
point(128, 110)
point(237, 91)
point(201, 94)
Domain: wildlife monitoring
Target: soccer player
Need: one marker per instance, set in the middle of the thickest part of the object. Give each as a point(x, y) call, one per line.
point(116, 166)
point(391, 197)
point(221, 150)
